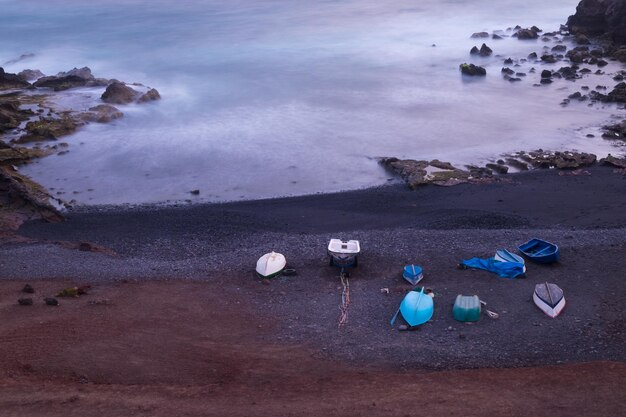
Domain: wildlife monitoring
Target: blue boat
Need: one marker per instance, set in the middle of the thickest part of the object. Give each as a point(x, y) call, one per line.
point(413, 274)
point(540, 251)
point(416, 308)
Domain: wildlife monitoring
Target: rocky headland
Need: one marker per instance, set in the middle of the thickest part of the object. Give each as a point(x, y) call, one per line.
point(31, 125)
point(598, 34)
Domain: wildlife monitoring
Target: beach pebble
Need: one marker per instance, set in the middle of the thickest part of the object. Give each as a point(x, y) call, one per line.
point(28, 289)
point(51, 301)
point(25, 301)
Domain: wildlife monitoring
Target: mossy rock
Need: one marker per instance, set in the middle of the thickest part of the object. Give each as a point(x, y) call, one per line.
point(48, 129)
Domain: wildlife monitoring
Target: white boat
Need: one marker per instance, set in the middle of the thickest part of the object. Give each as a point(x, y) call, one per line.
point(270, 265)
point(503, 255)
point(549, 298)
point(343, 254)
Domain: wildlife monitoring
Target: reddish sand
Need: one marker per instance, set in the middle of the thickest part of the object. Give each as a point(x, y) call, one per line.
point(184, 349)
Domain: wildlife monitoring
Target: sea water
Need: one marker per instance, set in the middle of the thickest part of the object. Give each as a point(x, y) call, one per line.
point(272, 98)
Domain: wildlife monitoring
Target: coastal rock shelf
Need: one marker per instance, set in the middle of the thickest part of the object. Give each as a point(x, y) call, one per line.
point(30, 118)
point(416, 173)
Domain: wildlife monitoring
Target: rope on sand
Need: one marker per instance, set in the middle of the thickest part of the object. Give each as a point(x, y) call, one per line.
point(345, 299)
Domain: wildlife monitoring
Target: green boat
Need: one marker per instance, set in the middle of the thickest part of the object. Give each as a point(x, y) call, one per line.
point(466, 308)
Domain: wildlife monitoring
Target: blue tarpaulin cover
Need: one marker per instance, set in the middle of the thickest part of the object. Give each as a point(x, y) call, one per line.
point(504, 269)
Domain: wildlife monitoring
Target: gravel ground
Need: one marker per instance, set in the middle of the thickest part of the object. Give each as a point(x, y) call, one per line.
point(434, 227)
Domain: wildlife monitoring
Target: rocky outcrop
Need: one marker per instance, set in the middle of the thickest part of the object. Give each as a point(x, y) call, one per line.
point(11, 115)
point(30, 74)
point(47, 128)
point(613, 161)
point(524, 34)
point(617, 95)
point(103, 113)
point(10, 81)
point(483, 51)
point(77, 77)
point(119, 93)
point(616, 131)
point(472, 70)
point(417, 173)
point(606, 18)
point(560, 160)
point(22, 199)
point(151, 95)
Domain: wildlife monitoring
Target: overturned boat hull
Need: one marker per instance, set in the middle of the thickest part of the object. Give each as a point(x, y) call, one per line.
point(549, 298)
point(416, 308)
point(270, 265)
point(503, 255)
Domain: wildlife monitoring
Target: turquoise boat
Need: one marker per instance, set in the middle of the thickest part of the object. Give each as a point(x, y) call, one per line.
point(416, 308)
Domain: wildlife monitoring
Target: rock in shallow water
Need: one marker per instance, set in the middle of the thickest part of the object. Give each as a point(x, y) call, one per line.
point(472, 70)
point(119, 93)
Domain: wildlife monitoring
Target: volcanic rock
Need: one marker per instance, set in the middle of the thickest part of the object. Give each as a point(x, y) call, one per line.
point(485, 50)
point(616, 131)
point(51, 301)
point(119, 93)
point(48, 129)
point(548, 58)
point(417, 173)
point(526, 34)
point(11, 81)
point(600, 18)
point(11, 115)
point(77, 77)
point(30, 74)
point(472, 70)
point(561, 160)
point(613, 161)
point(151, 95)
point(103, 113)
point(620, 55)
